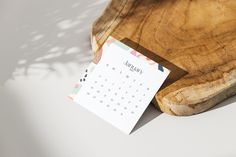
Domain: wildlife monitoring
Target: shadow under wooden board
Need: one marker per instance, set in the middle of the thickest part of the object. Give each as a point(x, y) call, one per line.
point(195, 39)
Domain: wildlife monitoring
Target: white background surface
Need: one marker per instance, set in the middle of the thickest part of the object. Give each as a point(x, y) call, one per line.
point(44, 48)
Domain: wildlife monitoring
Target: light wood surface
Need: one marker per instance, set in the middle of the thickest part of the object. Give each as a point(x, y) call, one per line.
point(195, 39)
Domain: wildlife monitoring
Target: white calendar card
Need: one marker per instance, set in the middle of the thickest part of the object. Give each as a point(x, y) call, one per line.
point(119, 85)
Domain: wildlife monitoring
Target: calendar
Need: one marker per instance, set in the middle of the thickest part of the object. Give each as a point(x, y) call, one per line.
point(119, 85)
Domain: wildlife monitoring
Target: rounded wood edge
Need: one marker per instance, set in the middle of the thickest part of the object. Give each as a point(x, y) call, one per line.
point(176, 109)
point(108, 21)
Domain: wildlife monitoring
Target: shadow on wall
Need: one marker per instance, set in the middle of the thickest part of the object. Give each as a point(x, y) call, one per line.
point(36, 36)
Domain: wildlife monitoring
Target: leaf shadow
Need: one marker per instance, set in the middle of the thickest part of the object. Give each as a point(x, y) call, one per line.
point(59, 36)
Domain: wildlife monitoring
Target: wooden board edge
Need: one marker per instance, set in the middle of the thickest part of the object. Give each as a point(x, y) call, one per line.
point(108, 21)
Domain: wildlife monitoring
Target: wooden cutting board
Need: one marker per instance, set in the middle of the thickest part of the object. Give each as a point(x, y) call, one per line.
point(195, 39)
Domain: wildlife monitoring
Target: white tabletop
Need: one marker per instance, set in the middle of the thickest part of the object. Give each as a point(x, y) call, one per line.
point(44, 49)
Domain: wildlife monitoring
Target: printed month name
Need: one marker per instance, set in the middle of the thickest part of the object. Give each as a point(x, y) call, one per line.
point(133, 68)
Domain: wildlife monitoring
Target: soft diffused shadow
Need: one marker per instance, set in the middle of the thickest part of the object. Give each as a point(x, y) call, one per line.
point(17, 137)
point(58, 36)
point(150, 113)
point(35, 37)
point(228, 101)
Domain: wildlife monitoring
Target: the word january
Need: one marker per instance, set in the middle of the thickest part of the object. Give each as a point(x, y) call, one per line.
point(133, 68)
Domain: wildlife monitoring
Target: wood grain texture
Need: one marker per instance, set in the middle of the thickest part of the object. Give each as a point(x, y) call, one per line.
point(198, 36)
